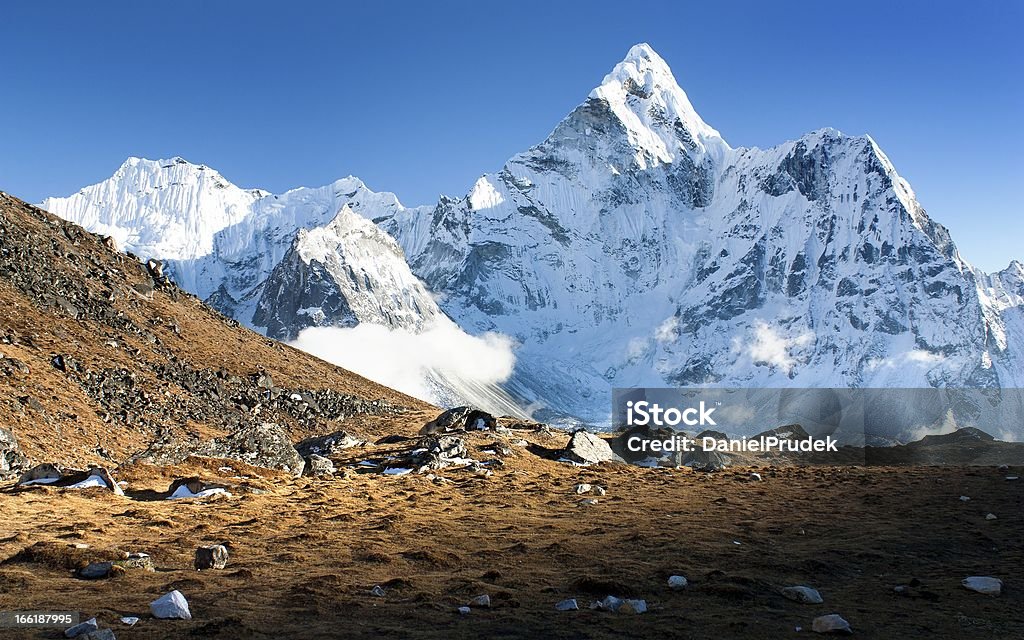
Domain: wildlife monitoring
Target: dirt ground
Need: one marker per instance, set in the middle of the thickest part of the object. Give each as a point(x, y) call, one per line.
point(306, 552)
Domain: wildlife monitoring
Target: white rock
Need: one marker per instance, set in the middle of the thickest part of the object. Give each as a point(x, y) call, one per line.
point(600, 491)
point(567, 605)
point(129, 620)
point(464, 611)
point(990, 516)
point(481, 601)
point(983, 584)
point(964, 499)
point(1011, 478)
point(832, 623)
point(378, 591)
point(807, 595)
point(171, 605)
point(583, 488)
point(755, 476)
point(587, 502)
point(677, 582)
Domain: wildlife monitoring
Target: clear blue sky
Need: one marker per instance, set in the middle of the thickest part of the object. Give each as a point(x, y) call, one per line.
point(420, 98)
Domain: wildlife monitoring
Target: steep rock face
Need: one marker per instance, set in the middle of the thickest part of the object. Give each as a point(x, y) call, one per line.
point(342, 274)
point(633, 246)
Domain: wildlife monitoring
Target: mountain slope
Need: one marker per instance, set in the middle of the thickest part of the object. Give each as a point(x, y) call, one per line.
point(98, 359)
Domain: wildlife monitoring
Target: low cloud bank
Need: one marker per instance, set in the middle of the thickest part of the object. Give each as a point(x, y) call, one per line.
point(413, 363)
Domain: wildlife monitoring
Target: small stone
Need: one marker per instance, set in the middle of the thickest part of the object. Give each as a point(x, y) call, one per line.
point(587, 502)
point(677, 582)
point(755, 476)
point(464, 611)
point(171, 606)
point(378, 591)
point(600, 491)
point(610, 603)
point(983, 584)
point(100, 634)
point(481, 601)
point(567, 605)
point(964, 499)
point(832, 623)
point(81, 629)
point(583, 488)
point(1004, 467)
point(214, 557)
point(990, 516)
point(806, 595)
point(1012, 478)
point(131, 621)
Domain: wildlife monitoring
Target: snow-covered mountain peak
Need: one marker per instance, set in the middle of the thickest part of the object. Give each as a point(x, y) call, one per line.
point(169, 208)
point(347, 233)
point(644, 95)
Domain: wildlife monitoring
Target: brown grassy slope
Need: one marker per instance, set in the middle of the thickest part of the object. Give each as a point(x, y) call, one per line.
point(56, 285)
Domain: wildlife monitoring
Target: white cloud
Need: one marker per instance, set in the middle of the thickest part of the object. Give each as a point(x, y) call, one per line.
point(413, 362)
point(923, 359)
point(768, 346)
point(666, 331)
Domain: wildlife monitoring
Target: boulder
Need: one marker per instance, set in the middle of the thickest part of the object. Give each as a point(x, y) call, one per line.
point(213, 557)
point(568, 604)
point(701, 460)
point(193, 487)
point(82, 628)
point(832, 623)
point(587, 448)
point(45, 473)
point(458, 418)
point(12, 460)
point(264, 445)
point(806, 595)
point(983, 584)
point(327, 445)
point(481, 601)
point(171, 606)
point(95, 571)
point(319, 466)
point(437, 452)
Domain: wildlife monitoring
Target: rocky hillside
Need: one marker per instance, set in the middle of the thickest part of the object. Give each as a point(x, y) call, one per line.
point(101, 355)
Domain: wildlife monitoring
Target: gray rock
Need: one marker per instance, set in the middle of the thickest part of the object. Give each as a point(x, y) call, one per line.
point(45, 471)
point(100, 634)
point(587, 448)
point(587, 502)
point(436, 452)
point(378, 591)
point(327, 445)
point(600, 491)
point(583, 488)
point(12, 458)
point(832, 623)
point(464, 610)
point(171, 606)
point(265, 445)
point(990, 516)
point(633, 606)
point(677, 582)
point(481, 601)
point(983, 584)
point(568, 604)
point(212, 557)
point(319, 466)
point(96, 571)
point(82, 628)
point(806, 595)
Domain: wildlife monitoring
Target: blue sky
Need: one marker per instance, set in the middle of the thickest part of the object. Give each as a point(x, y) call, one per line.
point(421, 98)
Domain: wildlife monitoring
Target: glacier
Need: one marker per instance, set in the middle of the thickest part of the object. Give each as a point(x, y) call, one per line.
point(632, 247)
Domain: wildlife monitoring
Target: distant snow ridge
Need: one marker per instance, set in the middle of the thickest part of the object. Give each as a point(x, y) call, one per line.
point(633, 246)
